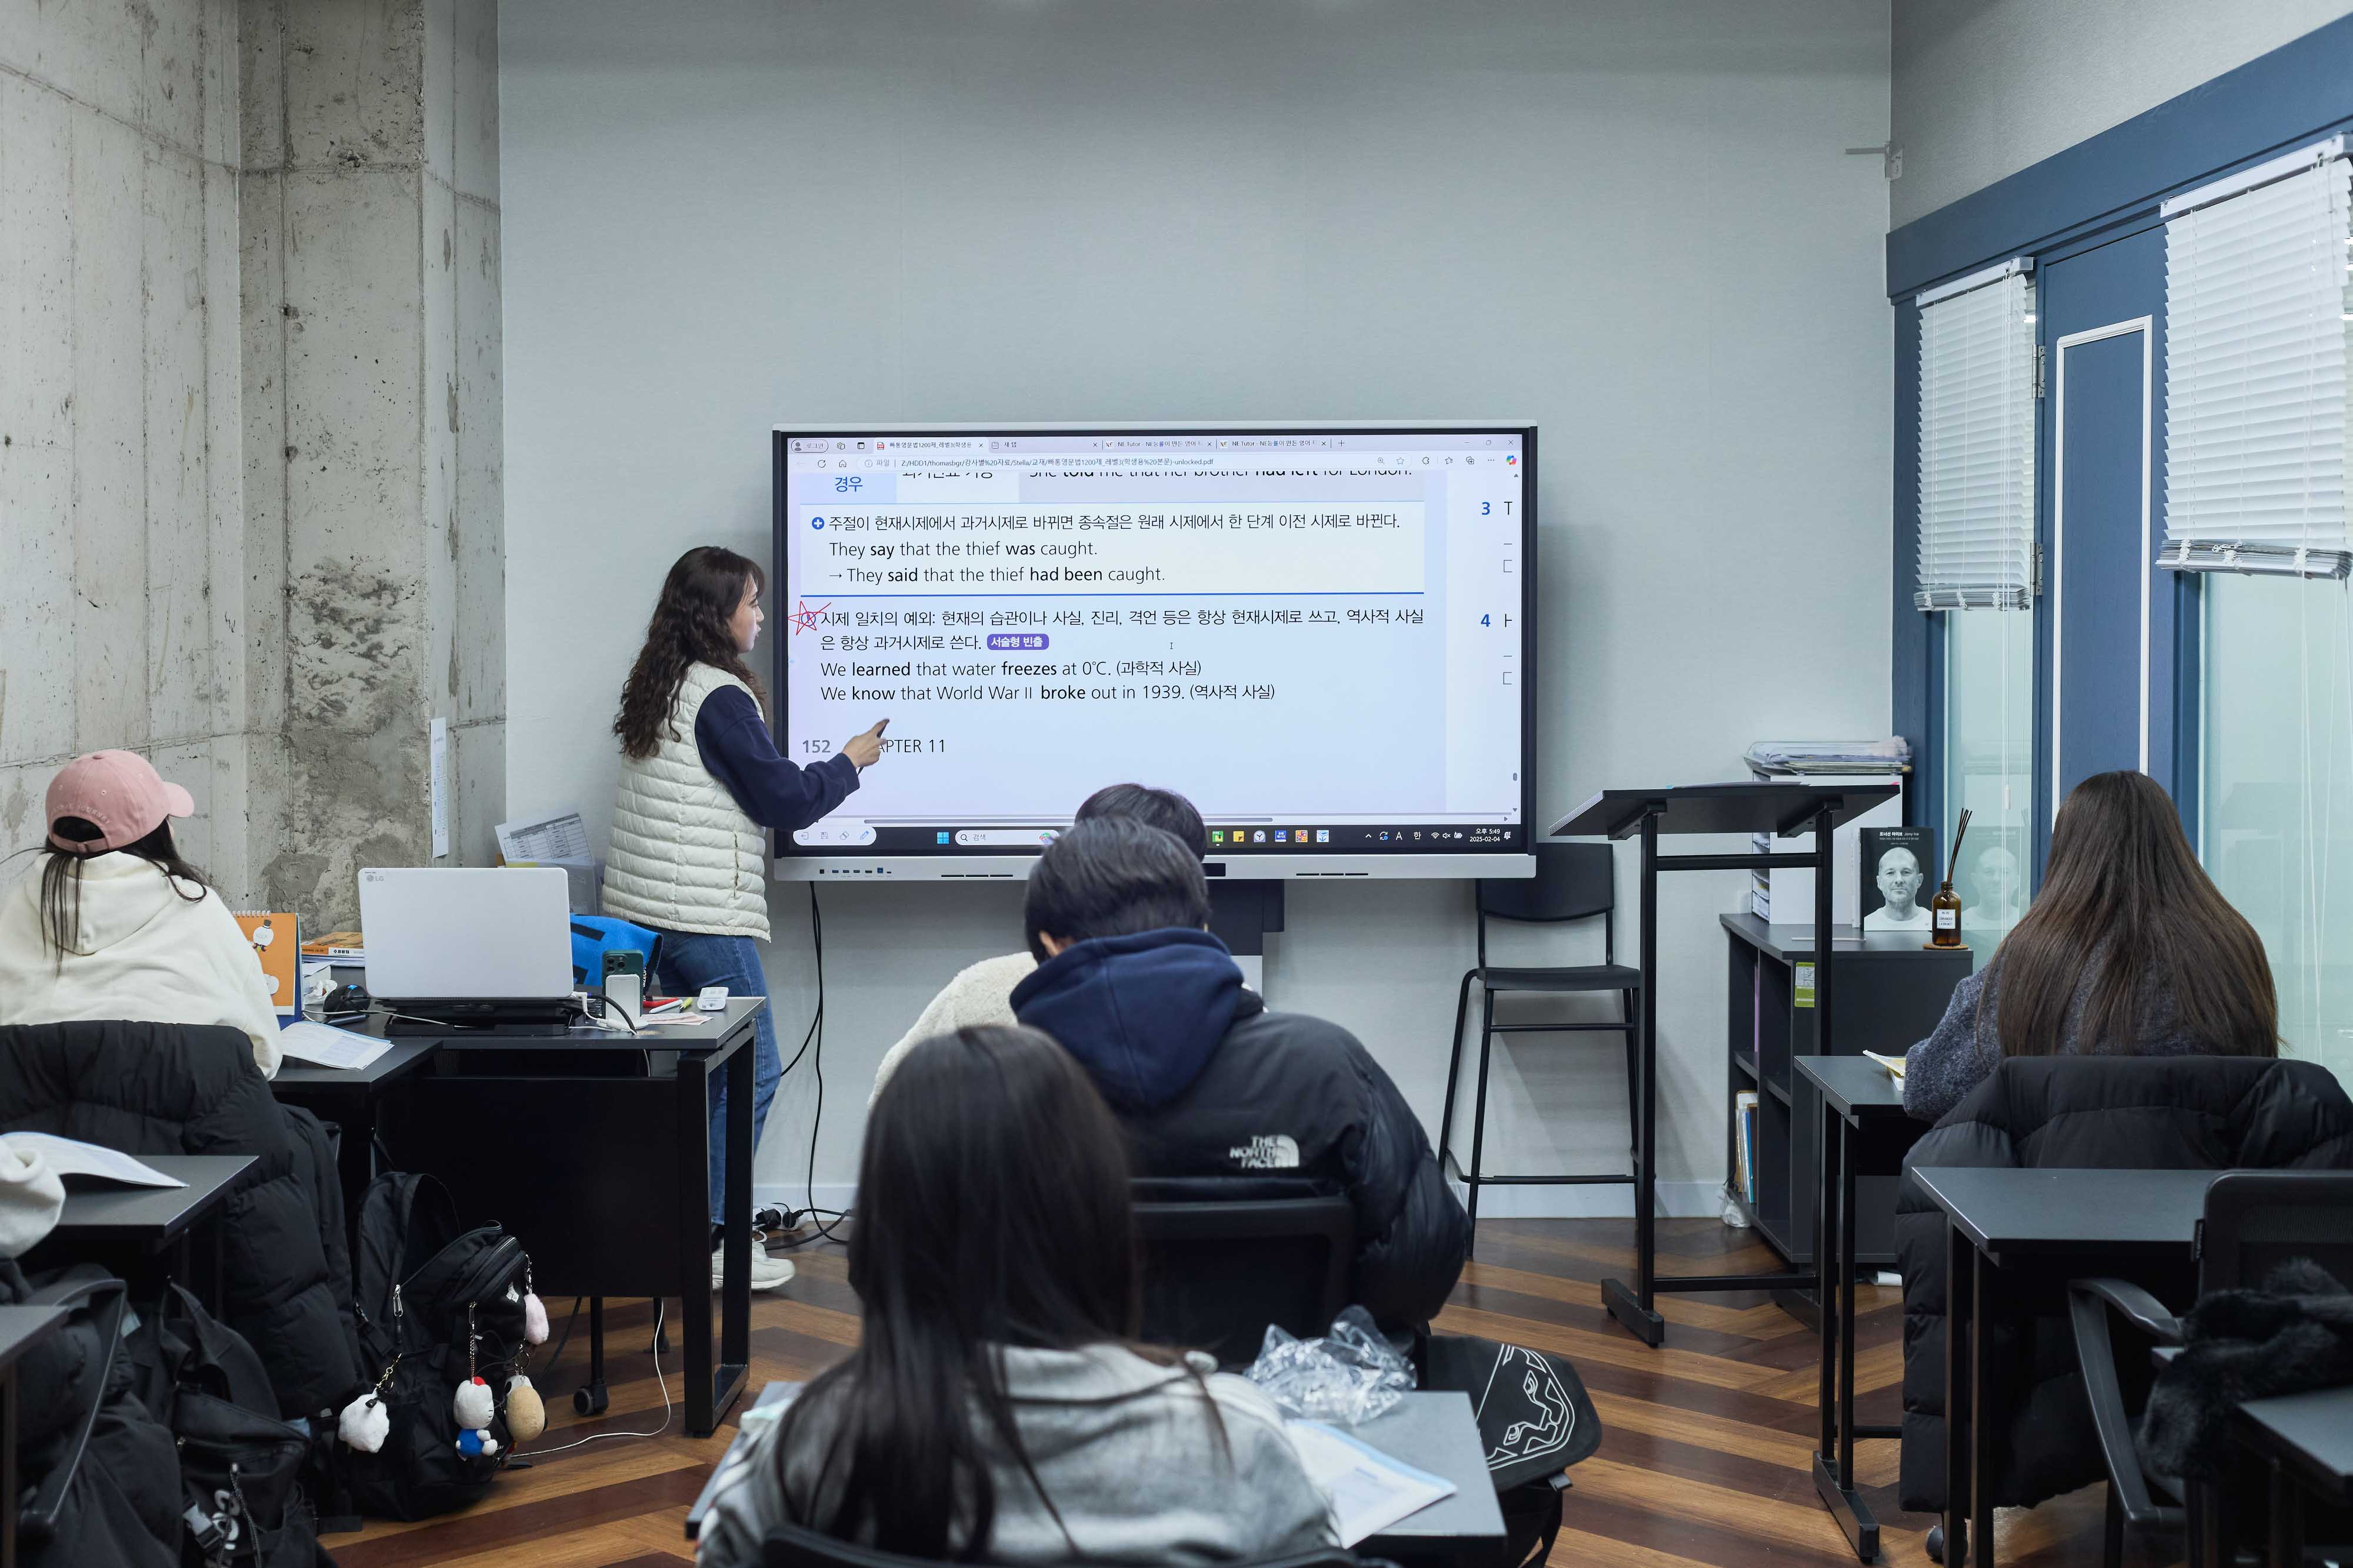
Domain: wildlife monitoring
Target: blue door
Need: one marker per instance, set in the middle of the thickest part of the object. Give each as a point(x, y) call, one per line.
point(2106, 619)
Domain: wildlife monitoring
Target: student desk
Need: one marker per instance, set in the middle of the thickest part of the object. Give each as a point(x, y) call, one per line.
point(348, 1097)
point(593, 1150)
point(2306, 1441)
point(1432, 1432)
point(21, 1327)
point(146, 1221)
point(2013, 1239)
point(1865, 1132)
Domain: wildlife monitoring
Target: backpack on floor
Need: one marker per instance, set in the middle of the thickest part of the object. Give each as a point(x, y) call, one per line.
point(436, 1305)
point(240, 1464)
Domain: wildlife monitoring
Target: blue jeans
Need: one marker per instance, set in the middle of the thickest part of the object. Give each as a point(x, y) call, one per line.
point(691, 961)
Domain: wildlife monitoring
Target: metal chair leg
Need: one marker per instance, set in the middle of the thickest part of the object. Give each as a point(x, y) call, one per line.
point(1634, 1111)
point(1478, 1114)
point(1453, 1069)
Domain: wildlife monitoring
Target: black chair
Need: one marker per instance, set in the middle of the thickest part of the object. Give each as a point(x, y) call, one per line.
point(2254, 1221)
point(1572, 882)
point(790, 1546)
point(1225, 1255)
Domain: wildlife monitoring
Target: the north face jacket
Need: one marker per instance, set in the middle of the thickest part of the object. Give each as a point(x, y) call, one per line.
point(1210, 1082)
point(174, 1089)
point(2170, 1113)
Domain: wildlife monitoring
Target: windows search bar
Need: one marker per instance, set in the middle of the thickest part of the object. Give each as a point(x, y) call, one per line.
point(1008, 838)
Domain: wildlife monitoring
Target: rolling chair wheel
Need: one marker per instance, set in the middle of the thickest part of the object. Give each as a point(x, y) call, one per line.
point(1935, 1545)
point(590, 1400)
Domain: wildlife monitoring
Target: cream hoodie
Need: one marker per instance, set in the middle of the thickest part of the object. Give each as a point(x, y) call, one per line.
point(144, 953)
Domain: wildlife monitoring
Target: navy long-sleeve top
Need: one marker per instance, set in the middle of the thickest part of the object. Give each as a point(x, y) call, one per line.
point(738, 751)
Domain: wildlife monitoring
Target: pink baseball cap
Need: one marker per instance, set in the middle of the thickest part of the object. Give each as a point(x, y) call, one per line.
point(121, 791)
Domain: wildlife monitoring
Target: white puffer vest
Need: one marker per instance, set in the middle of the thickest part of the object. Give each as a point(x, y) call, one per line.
point(683, 856)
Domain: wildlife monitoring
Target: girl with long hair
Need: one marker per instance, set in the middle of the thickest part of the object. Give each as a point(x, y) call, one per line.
point(2128, 950)
point(996, 1409)
point(114, 924)
point(702, 785)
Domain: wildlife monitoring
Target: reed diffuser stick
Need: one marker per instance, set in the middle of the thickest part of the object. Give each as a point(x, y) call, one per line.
point(1960, 831)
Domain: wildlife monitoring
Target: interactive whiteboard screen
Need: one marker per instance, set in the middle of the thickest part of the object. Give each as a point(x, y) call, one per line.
point(1321, 634)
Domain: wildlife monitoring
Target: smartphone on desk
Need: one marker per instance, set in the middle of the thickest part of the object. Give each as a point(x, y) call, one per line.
point(625, 982)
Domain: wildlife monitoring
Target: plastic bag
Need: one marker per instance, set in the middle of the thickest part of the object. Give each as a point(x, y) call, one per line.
point(1348, 1377)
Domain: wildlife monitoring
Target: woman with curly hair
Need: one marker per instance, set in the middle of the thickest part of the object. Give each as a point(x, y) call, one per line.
point(702, 783)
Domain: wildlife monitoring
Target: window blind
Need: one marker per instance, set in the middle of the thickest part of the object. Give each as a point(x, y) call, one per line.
point(1977, 443)
point(2255, 384)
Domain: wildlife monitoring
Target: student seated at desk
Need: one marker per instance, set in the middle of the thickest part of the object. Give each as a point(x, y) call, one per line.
point(112, 923)
point(983, 993)
point(2127, 951)
point(994, 1409)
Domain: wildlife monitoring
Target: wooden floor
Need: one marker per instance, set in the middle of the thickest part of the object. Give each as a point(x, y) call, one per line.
point(1706, 1457)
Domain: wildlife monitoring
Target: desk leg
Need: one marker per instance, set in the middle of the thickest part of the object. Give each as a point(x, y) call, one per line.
point(356, 1156)
point(1982, 1435)
point(1635, 1308)
point(1960, 1268)
point(1834, 1291)
point(694, 1227)
point(2287, 1519)
point(735, 1295)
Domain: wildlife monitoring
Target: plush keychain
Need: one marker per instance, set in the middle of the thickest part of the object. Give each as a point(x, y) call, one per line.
point(474, 1403)
point(526, 1413)
point(534, 1311)
point(366, 1422)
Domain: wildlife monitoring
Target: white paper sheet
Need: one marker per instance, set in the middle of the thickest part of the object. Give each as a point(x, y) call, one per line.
point(323, 1045)
point(1368, 1490)
point(1894, 1065)
point(558, 835)
point(69, 1157)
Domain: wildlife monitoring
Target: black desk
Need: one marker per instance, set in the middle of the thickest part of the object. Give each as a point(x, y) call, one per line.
point(593, 1149)
point(2013, 1239)
point(348, 1097)
point(21, 1327)
point(2305, 1440)
point(1785, 809)
point(146, 1221)
point(1864, 1131)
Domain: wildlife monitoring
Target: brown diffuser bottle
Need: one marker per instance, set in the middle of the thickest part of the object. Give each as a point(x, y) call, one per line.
point(1945, 909)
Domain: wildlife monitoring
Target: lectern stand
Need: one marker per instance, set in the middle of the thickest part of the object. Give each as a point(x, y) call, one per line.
point(1782, 809)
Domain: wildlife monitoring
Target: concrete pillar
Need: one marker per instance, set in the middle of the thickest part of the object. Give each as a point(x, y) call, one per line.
point(133, 611)
point(371, 436)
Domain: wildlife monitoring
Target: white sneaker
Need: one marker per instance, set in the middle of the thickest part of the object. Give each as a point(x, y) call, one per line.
point(768, 1272)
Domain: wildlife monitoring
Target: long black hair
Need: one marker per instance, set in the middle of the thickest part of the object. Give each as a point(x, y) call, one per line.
point(704, 587)
point(2122, 891)
point(61, 878)
point(992, 1211)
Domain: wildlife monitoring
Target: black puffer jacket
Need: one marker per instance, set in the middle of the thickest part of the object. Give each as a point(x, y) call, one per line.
point(170, 1088)
point(2082, 1112)
point(1208, 1082)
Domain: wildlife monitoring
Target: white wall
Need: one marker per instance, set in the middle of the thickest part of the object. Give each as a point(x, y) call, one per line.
point(1985, 87)
point(1635, 226)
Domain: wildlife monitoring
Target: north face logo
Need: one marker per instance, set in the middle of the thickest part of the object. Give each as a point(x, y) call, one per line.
point(1267, 1152)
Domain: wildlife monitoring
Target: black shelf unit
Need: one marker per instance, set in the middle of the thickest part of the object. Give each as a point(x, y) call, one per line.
point(1890, 991)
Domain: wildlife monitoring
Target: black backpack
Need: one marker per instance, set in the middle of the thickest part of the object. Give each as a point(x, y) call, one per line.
point(435, 1305)
point(240, 1464)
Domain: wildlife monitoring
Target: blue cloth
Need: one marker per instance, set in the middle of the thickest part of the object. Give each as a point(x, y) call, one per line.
point(691, 961)
point(736, 749)
point(1143, 1014)
point(594, 936)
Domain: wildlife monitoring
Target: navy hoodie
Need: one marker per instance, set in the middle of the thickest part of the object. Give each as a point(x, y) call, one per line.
point(1208, 1082)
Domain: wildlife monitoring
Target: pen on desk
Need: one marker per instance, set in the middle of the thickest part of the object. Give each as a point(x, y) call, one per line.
point(659, 1008)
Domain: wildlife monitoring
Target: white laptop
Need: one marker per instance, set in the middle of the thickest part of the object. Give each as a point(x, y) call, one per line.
point(465, 933)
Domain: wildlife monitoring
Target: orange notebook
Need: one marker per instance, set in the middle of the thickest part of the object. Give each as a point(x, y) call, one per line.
point(275, 939)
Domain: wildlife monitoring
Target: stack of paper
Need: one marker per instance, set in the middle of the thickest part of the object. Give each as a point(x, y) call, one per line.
point(71, 1157)
point(328, 1046)
point(1893, 755)
point(1368, 1490)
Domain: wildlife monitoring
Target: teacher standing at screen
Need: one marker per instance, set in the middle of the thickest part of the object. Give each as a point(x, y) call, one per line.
point(701, 781)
